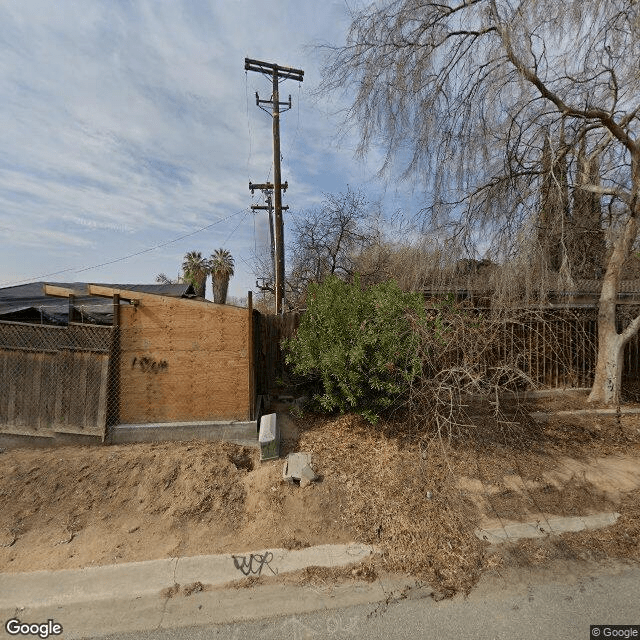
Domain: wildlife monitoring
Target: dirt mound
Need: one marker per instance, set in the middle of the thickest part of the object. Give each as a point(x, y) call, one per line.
point(78, 506)
point(75, 486)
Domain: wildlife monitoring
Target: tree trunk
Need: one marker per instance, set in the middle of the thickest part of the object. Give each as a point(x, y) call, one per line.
point(220, 288)
point(608, 379)
point(608, 375)
point(200, 285)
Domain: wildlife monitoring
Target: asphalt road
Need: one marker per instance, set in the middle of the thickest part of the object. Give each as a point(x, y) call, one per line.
point(559, 603)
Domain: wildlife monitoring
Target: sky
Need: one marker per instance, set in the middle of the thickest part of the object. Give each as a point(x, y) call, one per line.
point(130, 127)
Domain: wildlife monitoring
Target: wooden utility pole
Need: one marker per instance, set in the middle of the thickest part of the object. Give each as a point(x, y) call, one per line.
point(276, 72)
point(269, 207)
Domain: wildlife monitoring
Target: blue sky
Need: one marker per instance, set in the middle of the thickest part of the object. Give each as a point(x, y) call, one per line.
point(126, 124)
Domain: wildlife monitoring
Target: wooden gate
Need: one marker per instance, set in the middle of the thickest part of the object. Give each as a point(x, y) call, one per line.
point(54, 379)
point(268, 332)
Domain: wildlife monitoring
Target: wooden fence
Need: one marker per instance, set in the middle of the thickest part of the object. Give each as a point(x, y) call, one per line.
point(54, 379)
point(555, 348)
point(268, 332)
point(66, 379)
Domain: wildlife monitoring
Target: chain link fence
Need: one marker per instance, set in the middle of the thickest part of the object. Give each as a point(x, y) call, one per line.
point(54, 379)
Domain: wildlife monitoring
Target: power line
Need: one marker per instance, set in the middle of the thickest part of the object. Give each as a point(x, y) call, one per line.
point(132, 255)
point(295, 135)
point(236, 227)
point(246, 91)
point(255, 245)
point(251, 266)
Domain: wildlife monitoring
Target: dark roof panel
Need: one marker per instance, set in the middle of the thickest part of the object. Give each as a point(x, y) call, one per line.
point(29, 301)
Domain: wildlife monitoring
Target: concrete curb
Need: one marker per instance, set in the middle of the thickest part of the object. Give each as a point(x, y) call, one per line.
point(545, 527)
point(236, 432)
point(135, 579)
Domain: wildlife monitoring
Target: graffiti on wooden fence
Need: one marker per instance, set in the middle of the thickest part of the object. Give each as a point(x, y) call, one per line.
point(149, 365)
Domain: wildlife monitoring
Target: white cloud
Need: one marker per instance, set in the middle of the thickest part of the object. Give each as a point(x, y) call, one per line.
point(127, 124)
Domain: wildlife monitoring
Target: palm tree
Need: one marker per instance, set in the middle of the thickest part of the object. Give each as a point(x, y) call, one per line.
point(196, 270)
point(221, 269)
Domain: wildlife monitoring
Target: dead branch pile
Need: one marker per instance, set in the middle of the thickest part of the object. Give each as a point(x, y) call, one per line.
point(472, 360)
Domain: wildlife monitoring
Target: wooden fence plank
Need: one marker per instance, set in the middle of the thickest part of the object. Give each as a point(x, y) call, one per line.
point(89, 417)
point(53, 378)
point(58, 372)
point(12, 397)
point(48, 404)
point(32, 414)
point(4, 386)
point(101, 408)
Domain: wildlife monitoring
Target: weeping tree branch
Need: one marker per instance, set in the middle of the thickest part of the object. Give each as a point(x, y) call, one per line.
point(462, 95)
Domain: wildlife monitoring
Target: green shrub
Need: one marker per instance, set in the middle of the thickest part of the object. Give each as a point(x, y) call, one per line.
point(361, 344)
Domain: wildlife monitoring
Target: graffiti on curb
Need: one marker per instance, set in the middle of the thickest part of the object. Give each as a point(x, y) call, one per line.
point(246, 564)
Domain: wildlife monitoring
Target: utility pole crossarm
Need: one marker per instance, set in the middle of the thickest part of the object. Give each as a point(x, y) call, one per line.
point(268, 68)
point(264, 207)
point(282, 104)
point(266, 186)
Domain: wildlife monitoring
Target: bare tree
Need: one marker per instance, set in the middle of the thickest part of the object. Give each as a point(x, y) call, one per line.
point(327, 241)
point(162, 278)
point(467, 92)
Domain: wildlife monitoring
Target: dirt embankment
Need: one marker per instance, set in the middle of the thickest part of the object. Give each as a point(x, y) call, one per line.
point(73, 507)
point(419, 501)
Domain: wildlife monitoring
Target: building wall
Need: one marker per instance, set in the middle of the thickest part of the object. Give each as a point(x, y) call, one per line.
point(183, 360)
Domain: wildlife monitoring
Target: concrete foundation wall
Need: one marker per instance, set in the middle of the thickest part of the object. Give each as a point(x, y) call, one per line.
point(242, 433)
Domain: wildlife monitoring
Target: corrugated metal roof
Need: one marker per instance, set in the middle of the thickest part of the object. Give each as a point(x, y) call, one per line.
point(28, 302)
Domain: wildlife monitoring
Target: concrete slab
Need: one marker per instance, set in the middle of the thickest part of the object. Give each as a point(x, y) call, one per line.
point(237, 432)
point(123, 614)
point(298, 467)
point(269, 437)
point(137, 579)
point(44, 588)
point(545, 527)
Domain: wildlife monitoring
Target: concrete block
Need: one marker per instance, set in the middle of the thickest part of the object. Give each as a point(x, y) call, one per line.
point(298, 467)
point(269, 437)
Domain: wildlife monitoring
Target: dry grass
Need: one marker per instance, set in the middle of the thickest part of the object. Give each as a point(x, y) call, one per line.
point(404, 498)
point(618, 541)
